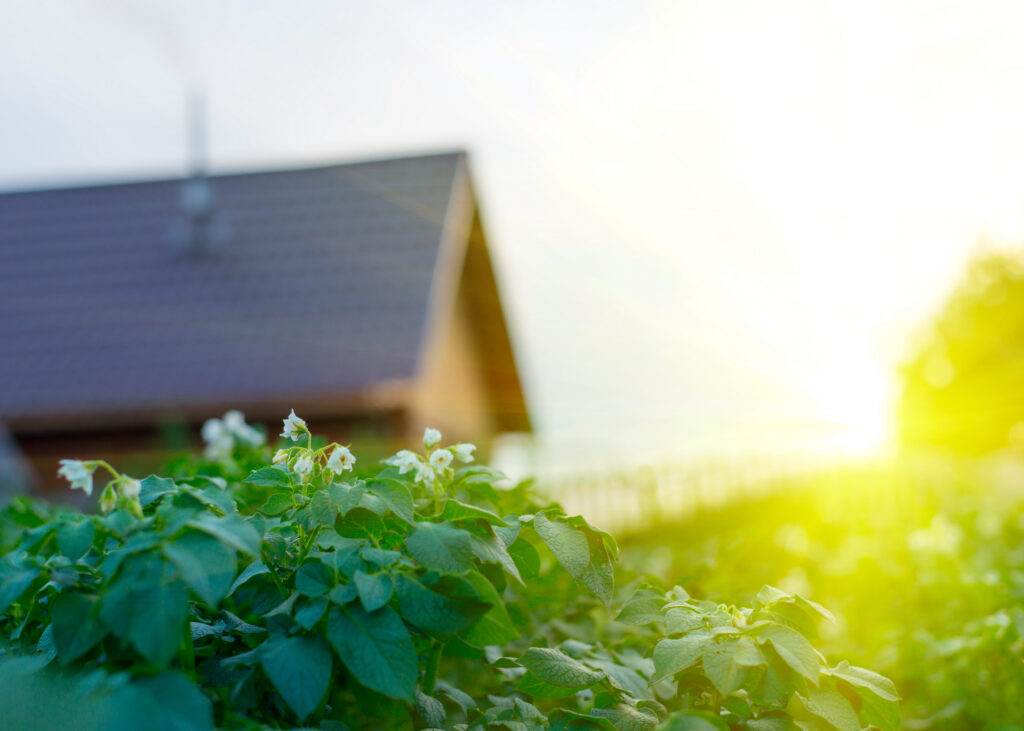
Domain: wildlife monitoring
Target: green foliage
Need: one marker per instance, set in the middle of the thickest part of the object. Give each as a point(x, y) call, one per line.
point(961, 385)
point(921, 562)
point(424, 594)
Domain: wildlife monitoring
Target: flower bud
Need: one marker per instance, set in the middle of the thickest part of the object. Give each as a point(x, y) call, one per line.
point(108, 499)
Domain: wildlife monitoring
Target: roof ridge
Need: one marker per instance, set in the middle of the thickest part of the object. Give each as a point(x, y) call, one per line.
point(238, 173)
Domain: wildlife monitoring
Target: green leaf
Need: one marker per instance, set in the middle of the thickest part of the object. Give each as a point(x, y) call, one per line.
point(813, 608)
point(379, 557)
point(495, 626)
point(430, 710)
point(232, 530)
point(726, 662)
point(310, 612)
point(153, 488)
point(300, 669)
point(599, 575)
point(695, 721)
point(509, 532)
point(792, 647)
point(361, 523)
point(555, 667)
point(534, 686)
point(76, 625)
point(441, 546)
point(254, 569)
point(346, 497)
point(270, 477)
point(461, 698)
point(147, 605)
point(679, 620)
point(396, 496)
point(343, 594)
point(627, 718)
point(769, 594)
point(323, 509)
point(459, 511)
point(489, 548)
point(568, 544)
point(526, 558)
point(376, 649)
point(206, 564)
point(450, 605)
point(165, 702)
point(346, 560)
point(831, 705)
point(74, 538)
point(671, 656)
point(884, 714)
point(314, 579)
point(277, 503)
point(374, 589)
point(780, 722)
point(777, 684)
point(623, 678)
point(867, 680)
point(644, 607)
point(562, 719)
point(213, 496)
point(879, 699)
point(13, 583)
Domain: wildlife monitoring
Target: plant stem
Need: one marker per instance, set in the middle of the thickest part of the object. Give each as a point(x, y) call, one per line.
point(188, 659)
point(274, 576)
point(107, 467)
point(309, 543)
point(433, 663)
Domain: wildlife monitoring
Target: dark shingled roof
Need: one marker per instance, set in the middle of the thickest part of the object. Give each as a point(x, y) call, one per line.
point(322, 287)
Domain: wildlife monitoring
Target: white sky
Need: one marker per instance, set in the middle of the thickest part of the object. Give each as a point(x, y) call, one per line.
point(715, 223)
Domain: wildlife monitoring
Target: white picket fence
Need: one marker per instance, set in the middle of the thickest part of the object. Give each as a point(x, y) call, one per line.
point(626, 501)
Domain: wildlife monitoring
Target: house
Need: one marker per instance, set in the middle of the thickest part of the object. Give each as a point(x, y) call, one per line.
point(362, 295)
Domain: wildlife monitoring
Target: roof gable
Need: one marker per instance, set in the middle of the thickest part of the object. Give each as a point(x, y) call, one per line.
point(334, 266)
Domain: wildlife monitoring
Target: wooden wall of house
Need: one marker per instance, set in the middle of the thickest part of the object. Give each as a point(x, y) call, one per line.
point(452, 393)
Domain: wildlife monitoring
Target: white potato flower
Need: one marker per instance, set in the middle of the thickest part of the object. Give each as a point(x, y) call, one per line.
point(464, 452)
point(294, 427)
point(221, 448)
point(77, 473)
point(251, 436)
point(440, 459)
point(219, 442)
point(304, 467)
point(281, 457)
point(130, 488)
point(424, 473)
point(431, 438)
point(234, 421)
point(213, 429)
point(404, 461)
point(341, 459)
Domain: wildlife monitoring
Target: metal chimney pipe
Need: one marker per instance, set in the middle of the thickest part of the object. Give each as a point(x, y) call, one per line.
point(201, 231)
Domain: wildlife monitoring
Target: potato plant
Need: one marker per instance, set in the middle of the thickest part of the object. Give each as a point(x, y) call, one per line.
point(251, 592)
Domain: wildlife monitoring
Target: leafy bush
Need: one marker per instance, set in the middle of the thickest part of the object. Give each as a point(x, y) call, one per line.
point(425, 593)
point(921, 562)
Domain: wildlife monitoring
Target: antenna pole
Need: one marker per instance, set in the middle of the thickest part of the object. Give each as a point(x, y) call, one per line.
point(197, 132)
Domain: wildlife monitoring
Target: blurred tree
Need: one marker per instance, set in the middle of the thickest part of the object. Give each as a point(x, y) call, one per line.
point(963, 389)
